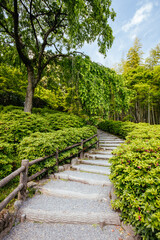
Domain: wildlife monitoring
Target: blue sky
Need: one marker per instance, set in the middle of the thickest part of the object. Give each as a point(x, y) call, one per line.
point(135, 18)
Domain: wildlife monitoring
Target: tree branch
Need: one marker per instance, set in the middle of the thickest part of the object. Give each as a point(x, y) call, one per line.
point(25, 7)
point(7, 9)
point(6, 30)
point(32, 24)
point(19, 44)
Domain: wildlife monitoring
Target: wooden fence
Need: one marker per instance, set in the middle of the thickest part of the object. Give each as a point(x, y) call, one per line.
point(23, 171)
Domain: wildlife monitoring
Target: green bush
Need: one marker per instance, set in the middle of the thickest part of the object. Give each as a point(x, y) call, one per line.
point(44, 144)
point(60, 121)
point(16, 124)
point(30, 136)
point(7, 158)
point(135, 173)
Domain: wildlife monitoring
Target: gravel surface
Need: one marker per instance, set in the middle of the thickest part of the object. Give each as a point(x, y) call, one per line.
point(99, 156)
point(96, 162)
point(77, 187)
point(109, 152)
point(50, 203)
point(110, 144)
point(44, 231)
point(65, 205)
point(84, 175)
point(94, 169)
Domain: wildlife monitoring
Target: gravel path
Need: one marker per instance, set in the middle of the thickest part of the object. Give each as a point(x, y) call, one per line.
point(37, 231)
point(93, 169)
point(50, 203)
point(77, 187)
point(78, 205)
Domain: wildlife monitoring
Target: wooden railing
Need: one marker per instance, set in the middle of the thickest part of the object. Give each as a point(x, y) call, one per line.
point(25, 164)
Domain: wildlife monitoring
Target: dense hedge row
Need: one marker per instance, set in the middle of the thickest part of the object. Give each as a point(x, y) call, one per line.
point(44, 144)
point(117, 127)
point(135, 173)
point(30, 136)
point(15, 125)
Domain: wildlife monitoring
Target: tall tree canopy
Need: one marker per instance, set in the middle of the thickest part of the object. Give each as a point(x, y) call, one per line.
point(154, 58)
point(44, 30)
point(134, 55)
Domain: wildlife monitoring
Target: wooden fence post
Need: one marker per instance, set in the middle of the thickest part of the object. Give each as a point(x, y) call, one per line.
point(97, 144)
point(57, 160)
point(23, 180)
point(82, 153)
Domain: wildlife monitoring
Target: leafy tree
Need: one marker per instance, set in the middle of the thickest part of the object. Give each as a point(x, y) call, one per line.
point(44, 30)
point(154, 58)
point(134, 55)
point(12, 85)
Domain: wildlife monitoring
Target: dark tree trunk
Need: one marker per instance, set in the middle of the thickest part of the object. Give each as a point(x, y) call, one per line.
point(30, 91)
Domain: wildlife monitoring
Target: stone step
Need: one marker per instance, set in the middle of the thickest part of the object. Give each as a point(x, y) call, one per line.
point(43, 208)
point(98, 156)
point(108, 139)
point(92, 169)
point(56, 231)
point(69, 189)
point(111, 142)
point(109, 145)
point(107, 148)
point(83, 177)
point(103, 152)
point(96, 162)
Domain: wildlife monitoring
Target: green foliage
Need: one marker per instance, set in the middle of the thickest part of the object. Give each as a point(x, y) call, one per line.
point(92, 88)
point(135, 173)
point(154, 58)
point(117, 127)
point(16, 125)
point(61, 28)
point(44, 144)
point(13, 85)
point(134, 55)
point(30, 136)
point(143, 83)
point(7, 158)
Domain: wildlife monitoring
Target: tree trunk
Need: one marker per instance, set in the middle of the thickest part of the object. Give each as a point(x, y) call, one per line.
point(30, 91)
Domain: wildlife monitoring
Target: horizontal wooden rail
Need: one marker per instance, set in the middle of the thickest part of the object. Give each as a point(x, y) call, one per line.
point(23, 171)
point(70, 147)
point(7, 179)
point(40, 159)
point(10, 196)
point(36, 174)
point(90, 138)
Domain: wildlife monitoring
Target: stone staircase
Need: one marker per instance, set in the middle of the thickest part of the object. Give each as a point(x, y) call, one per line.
point(74, 204)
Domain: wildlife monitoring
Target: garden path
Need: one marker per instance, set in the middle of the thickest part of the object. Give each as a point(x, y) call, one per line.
point(74, 204)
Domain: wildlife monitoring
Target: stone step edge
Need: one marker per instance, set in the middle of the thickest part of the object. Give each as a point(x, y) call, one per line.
point(76, 167)
point(94, 164)
point(72, 194)
point(82, 180)
point(70, 217)
point(95, 155)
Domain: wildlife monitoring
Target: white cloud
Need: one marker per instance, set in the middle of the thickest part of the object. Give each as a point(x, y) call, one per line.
point(140, 15)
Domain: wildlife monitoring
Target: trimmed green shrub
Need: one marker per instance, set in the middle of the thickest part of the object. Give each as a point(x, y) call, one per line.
point(6, 159)
point(17, 124)
point(60, 121)
point(135, 172)
point(24, 135)
point(44, 144)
